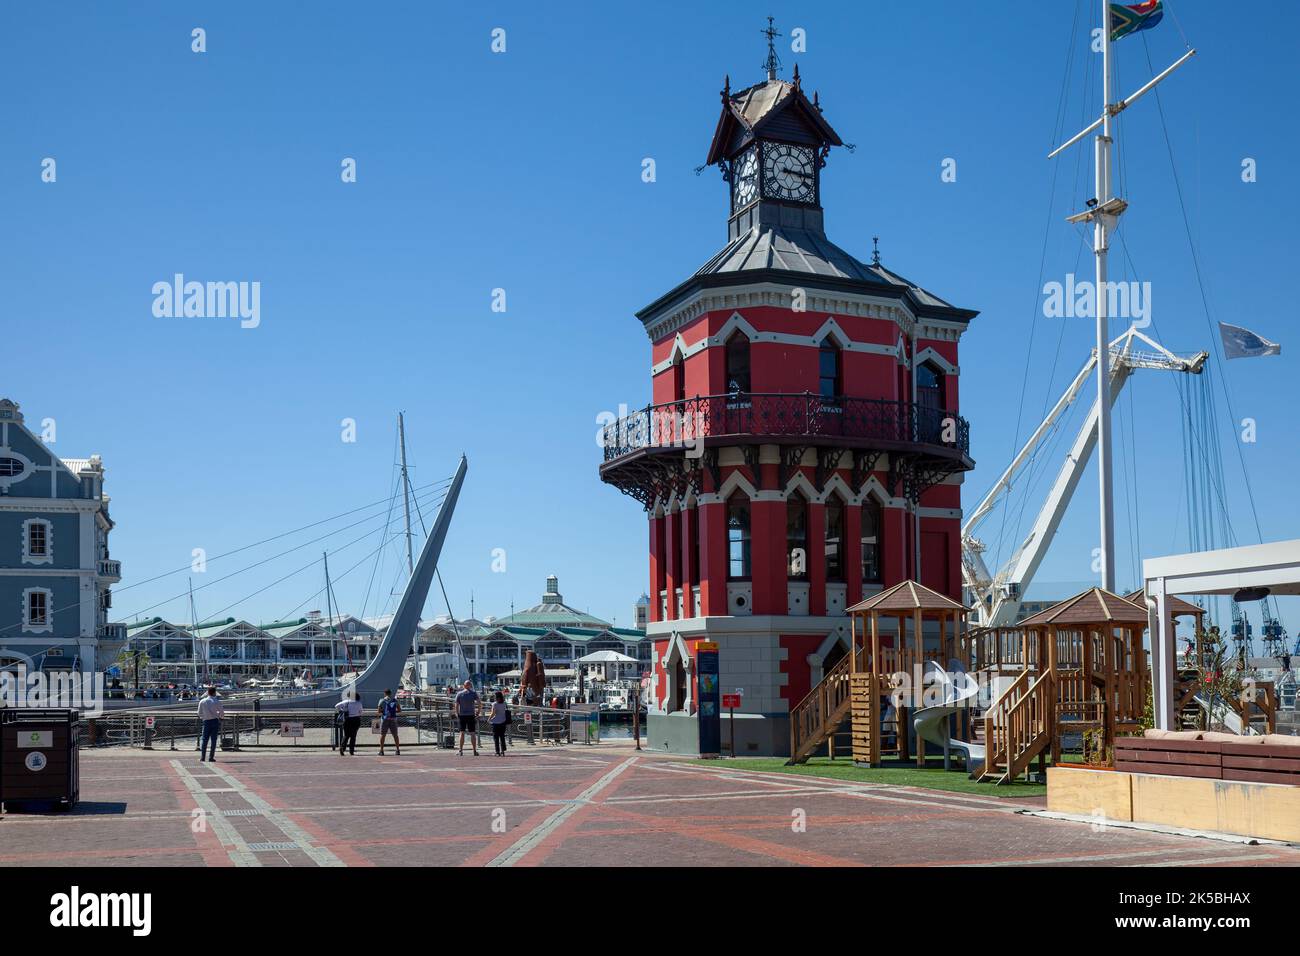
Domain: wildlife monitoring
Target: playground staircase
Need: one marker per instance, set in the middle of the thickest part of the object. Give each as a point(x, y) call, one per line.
point(1018, 726)
point(821, 716)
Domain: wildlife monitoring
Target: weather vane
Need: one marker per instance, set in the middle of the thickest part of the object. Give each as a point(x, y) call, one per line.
point(773, 63)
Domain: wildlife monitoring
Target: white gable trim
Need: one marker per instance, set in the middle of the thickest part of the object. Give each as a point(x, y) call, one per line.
point(737, 321)
point(930, 355)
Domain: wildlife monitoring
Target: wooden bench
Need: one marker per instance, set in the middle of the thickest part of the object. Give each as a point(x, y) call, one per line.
point(1179, 758)
point(1261, 763)
point(1248, 762)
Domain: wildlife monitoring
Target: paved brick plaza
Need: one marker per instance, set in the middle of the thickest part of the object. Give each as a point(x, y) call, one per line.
point(559, 806)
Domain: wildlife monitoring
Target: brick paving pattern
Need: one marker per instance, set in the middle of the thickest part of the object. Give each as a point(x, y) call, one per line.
point(557, 806)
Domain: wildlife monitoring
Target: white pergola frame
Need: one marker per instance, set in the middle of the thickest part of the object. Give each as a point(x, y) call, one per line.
point(1275, 566)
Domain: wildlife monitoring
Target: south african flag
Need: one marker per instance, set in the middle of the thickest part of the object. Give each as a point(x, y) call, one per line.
point(1141, 16)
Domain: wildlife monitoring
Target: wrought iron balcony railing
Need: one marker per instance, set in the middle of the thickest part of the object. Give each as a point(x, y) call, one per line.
point(767, 415)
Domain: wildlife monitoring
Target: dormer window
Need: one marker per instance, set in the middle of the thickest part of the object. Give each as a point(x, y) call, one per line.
point(38, 541)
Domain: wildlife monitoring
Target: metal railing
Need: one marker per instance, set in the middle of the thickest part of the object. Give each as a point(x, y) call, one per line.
point(429, 723)
point(767, 414)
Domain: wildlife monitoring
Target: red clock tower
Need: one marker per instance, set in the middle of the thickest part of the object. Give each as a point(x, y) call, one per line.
point(802, 449)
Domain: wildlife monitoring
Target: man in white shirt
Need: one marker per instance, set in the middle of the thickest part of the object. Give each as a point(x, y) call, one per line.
point(350, 708)
point(210, 712)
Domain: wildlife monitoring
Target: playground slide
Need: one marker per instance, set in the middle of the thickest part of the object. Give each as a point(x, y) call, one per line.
point(931, 723)
point(1230, 718)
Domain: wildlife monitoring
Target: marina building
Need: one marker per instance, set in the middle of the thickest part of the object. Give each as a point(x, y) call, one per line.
point(56, 575)
point(236, 650)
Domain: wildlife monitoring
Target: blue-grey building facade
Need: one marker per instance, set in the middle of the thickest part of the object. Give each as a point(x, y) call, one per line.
point(55, 571)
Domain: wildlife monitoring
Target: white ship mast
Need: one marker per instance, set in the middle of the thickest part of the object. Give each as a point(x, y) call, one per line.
point(1103, 212)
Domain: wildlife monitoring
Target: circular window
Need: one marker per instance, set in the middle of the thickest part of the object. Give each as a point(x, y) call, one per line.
point(11, 467)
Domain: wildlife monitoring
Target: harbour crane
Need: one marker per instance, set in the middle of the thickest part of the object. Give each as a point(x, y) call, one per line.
point(997, 597)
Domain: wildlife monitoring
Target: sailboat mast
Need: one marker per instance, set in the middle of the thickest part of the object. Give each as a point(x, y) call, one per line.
point(195, 619)
point(406, 493)
point(1101, 244)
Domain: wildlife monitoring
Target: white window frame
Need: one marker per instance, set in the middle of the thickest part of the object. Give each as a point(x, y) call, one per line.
point(48, 556)
point(28, 467)
point(28, 626)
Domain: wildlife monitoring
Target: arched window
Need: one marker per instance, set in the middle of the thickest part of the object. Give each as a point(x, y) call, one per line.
point(929, 387)
point(677, 698)
point(738, 536)
point(796, 537)
point(834, 512)
point(872, 539)
point(737, 362)
point(828, 369)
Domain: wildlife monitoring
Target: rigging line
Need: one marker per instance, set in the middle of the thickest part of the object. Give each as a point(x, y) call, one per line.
point(1205, 302)
point(370, 583)
point(286, 577)
point(275, 537)
point(1040, 457)
point(455, 627)
point(1137, 504)
point(255, 565)
point(226, 577)
point(334, 581)
point(1042, 258)
point(215, 614)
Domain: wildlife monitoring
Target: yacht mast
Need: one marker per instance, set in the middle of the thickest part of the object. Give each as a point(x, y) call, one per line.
point(1100, 246)
point(1103, 212)
point(406, 494)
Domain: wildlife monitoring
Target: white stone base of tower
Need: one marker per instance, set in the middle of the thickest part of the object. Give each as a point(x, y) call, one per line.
point(771, 661)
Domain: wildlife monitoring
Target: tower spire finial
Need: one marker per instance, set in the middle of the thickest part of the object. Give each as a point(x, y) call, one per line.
point(773, 62)
point(875, 250)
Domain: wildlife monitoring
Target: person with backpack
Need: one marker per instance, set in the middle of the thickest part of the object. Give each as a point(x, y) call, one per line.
point(389, 708)
point(500, 721)
point(468, 705)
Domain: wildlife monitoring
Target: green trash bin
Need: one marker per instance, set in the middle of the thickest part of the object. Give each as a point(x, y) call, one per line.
point(38, 757)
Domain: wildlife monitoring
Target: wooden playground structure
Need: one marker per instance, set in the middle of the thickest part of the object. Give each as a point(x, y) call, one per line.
point(1077, 667)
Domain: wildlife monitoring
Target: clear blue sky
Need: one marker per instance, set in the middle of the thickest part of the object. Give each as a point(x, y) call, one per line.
point(522, 171)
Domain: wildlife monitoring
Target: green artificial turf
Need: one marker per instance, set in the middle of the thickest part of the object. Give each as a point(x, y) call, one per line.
point(892, 771)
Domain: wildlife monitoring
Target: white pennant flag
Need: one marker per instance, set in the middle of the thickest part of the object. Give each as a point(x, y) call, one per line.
point(1243, 343)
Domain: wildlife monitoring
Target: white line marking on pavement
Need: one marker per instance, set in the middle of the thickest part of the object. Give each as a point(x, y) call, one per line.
point(295, 833)
point(236, 846)
point(525, 844)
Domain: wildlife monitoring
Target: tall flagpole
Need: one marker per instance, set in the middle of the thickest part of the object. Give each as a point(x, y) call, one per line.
point(1101, 240)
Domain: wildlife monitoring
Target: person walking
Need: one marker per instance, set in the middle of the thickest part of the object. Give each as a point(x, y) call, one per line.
point(350, 708)
point(389, 708)
point(468, 705)
point(211, 710)
point(499, 720)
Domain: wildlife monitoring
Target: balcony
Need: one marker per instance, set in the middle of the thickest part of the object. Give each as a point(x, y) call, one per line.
point(110, 570)
point(660, 445)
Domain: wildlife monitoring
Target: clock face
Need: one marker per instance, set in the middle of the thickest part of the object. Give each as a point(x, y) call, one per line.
point(744, 178)
point(789, 172)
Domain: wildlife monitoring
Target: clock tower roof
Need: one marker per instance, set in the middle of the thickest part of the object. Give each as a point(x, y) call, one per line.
point(772, 109)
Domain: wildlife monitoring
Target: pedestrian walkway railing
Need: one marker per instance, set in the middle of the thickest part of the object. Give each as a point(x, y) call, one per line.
point(423, 722)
